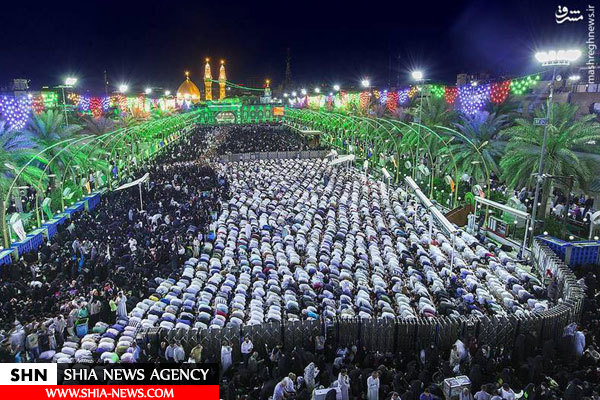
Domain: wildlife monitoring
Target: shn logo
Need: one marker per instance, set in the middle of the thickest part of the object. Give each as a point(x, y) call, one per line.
point(28, 375)
point(563, 14)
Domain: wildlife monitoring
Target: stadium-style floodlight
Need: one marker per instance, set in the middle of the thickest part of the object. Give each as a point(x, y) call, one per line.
point(417, 75)
point(70, 81)
point(365, 83)
point(294, 94)
point(303, 91)
point(317, 90)
point(336, 87)
point(558, 57)
point(123, 88)
point(285, 95)
point(148, 90)
point(167, 92)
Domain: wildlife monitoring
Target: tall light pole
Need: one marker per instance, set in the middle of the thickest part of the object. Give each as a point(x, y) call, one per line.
point(366, 83)
point(553, 58)
point(69, 83)
point(417, 75)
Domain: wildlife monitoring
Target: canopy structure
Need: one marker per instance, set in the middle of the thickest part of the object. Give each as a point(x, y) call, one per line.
point(310, 132)
point(510, 210)
point(134, 183)
point(343, 159)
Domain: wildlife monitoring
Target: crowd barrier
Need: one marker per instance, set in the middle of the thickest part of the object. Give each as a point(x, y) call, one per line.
point(5, 257)
point(394, 335)
point(274, 155)
point(576, 253)
point(35, 239)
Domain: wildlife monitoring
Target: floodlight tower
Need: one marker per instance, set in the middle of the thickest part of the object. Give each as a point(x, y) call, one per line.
point(553, 58)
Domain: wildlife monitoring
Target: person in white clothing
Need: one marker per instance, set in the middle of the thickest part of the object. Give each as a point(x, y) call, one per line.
point(290, 386)
point(121, 305)
point(247, 348)
point(310, 373)
point(579, 343)
point(344, 384)
point(506, 392)
point(226, 359)
point(373, 386)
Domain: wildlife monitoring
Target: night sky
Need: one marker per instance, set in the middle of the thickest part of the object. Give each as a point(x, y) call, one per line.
point(152, 43)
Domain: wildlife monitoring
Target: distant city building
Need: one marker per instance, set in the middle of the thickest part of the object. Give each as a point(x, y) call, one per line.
point(466, 78)
point(20, 85)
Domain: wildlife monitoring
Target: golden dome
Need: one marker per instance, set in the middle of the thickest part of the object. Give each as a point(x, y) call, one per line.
point(188, 90)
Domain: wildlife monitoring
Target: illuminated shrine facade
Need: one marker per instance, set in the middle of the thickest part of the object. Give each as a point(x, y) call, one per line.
point(239, 113)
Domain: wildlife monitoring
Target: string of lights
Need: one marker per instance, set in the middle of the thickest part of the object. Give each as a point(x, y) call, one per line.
point(15, 110)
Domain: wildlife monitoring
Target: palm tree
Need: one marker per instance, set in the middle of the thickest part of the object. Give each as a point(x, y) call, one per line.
point(127, 120)
point(565, 131)
point(436, 112)
point(97, 126)
point(509, 107)
point(49, 127)
point(16, 149)
point(477, 143)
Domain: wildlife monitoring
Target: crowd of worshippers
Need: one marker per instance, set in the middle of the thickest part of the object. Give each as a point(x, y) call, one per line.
point(261, 138)
point(100, 262)
point(531, 369)
point(297, 240)
point(99, 265)
point(322, 241)
point(581, 208)
point(249, 243)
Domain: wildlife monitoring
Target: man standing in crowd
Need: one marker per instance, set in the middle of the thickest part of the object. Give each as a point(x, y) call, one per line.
point(246, 349)
point(373, 386)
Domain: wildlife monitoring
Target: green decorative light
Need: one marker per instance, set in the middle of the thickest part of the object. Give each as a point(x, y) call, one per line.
point(437, 91)
point(520, 86)
point(50, 99)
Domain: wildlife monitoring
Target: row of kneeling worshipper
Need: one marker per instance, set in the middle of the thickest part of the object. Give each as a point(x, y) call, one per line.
point(290, 245)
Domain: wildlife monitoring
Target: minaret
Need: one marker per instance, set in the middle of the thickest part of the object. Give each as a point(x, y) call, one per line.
point(207, 81)
point(222, 80)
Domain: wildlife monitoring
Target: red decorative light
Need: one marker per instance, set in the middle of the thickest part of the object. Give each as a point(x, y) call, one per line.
point(499, 91)
point(120, 101)
point(450, 94)
point(38, 104)
point(364, 100)
point(392, 101)
point(96, 106)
